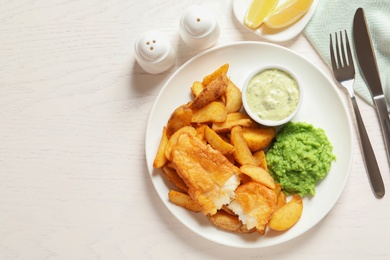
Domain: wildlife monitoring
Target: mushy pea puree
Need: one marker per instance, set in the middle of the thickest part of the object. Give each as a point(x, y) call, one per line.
point(272, 94)
point(300, 157)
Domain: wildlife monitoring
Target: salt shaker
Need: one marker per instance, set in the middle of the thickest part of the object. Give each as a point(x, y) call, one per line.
point(154, 52)
point(199, 28)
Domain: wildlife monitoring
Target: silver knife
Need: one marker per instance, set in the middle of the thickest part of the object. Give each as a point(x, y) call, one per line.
point(369, 68)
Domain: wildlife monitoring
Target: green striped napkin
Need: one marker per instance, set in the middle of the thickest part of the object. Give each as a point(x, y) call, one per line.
point(337, 15)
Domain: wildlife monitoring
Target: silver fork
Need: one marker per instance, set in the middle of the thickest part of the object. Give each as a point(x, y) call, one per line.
point(344, 72)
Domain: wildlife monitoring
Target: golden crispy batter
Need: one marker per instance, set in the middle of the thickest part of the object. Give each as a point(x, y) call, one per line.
point(254, 204)
point(229, 222)
point(210, 177)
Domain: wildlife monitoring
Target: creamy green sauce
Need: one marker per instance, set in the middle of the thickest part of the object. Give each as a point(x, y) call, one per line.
point(300, 157)
point(272, 94)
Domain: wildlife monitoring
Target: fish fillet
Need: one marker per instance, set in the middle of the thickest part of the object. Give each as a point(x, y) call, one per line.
point(254, 204)
point(210, 177)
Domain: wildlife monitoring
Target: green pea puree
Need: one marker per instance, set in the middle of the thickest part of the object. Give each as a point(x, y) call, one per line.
point(300, 157)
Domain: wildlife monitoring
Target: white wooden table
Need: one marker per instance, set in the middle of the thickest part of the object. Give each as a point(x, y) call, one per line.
point(74, 108)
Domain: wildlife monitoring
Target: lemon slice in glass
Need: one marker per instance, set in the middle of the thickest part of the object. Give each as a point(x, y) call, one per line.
point(258, 11)
point(287, 13)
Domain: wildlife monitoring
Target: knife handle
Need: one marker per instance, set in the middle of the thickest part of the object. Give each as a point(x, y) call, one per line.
point(381, 109)
point(374, 174)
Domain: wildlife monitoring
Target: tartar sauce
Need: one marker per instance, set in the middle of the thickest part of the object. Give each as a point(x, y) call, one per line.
point(272, 94)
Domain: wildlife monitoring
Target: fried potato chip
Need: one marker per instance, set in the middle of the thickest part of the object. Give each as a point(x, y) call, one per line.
point(172, 175)
point(217, 142)
point(260, 157)
point(173, 139)
point(277, 189)
point(259, 175)
point(245, 178)
point(183, 200)
point(281, 200)
point(180, 117)
point(233, 98)
point(258, 138)
point(225, 136)
point(212, 92)
point(200, 134)
point(230, 157)
point(288, 215)
point(280, 195)
point(215, 74)
point(232, 120)
point(242, 154)
point(212, 112)
point(229, 222)
point(160, 158)
point(196, 88)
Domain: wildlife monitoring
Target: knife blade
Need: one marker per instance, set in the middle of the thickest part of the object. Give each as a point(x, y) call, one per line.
point(369, 69)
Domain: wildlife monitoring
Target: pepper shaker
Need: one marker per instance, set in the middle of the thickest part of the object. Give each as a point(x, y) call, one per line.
point(154, 52)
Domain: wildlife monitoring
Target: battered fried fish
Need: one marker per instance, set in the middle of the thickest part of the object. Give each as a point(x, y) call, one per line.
point(210, 177)
point(254, 204)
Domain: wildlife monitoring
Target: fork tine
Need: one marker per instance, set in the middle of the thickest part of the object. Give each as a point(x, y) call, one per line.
point(349, 52)
point(338, 52)
point(332, 58)
point(345, 64)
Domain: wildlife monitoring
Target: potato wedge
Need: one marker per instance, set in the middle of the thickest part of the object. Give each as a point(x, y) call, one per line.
point(221, 71)
point(259, 175)
point(281, 200)
point(212, 92)
point(245, 178)
point(175, 178)
point(173, 139)
point(200, 133)
point(233, 119)
point(217, 142)
point(258, 138)
point(233, 98)
point(260, 157)
point(160, 158)
point(212, 112)
point(180, 117)
point(242, 154)
point(230, 157)
point(196, 88)
point(228, 222)
point(184, 200)
point(277, 189)
point(288, 215)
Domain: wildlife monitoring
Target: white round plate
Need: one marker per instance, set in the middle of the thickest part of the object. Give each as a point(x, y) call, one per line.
point(322, 107)
point(240, 8)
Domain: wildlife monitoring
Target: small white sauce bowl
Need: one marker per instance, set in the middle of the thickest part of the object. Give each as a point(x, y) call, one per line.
point(253, 115)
